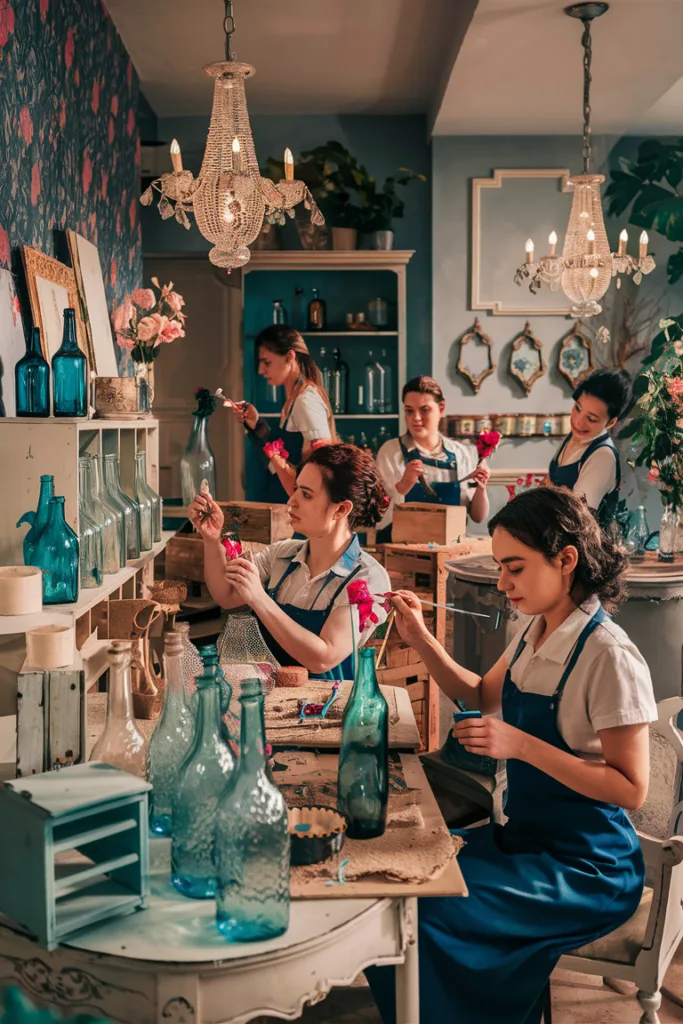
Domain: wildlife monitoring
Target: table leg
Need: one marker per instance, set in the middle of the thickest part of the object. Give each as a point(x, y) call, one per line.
point(407, 973)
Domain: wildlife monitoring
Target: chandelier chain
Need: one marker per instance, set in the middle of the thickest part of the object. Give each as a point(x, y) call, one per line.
point(586, 42)
point(228, 28)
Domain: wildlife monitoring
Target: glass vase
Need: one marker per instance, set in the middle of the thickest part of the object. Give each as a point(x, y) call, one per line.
point(32, 380)
point(101, 513)
point(69, 373)
point(231, 722)
point(202, 777)
point(192, 664)
point(146, 507)
point(149, 492)
point(56, 553)
point(120, 743)
point(364, 754)
point(252, 839)
point(129, 507)
point(243, 653)
point(37, 520)
point(197, 462)
point(638, 532)
point(171, 740)
point(667, 534)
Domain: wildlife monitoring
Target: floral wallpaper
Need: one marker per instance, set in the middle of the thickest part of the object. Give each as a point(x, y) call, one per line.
point(69, 139)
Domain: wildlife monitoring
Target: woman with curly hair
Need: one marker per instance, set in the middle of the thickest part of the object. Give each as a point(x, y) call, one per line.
point(298, 588)
point(567, 706)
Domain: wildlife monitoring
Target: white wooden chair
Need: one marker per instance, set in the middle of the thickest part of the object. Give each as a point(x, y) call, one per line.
point(642, 949)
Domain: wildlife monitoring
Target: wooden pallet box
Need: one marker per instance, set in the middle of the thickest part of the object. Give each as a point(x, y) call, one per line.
point(257, 520)
point(417, 522)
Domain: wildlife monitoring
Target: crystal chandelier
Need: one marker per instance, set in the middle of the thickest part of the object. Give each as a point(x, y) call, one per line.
point(586, 266)
point(229, 199)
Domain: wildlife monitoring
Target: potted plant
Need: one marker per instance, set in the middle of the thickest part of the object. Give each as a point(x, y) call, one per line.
point(382, 207)
point(340, 175)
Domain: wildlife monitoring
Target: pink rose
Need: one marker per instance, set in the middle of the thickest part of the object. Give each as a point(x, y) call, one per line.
point(144, 298)
point(171, 331)
point(122, 316)
point(151, 326)
point(175, 301)
point(124, 343)
point(653, 475)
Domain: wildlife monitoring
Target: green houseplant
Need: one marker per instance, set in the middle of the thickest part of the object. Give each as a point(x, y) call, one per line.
point(383, 207)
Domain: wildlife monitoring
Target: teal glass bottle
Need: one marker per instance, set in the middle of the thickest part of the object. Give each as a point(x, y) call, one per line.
point(128, 505)
point(102, 514)
point(32, 380)
point(145, 505)
point(110, 508)
point(147, 490)
point(37, 520)
point(364, 755)
point(89, 537)
point(170, 742)
point(56, 553)
point(202, 777)
point(252, 839)
point(69, 373)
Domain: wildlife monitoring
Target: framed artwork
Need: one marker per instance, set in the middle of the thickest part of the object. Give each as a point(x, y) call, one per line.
point(52, 289)
point(475, 362)
point(12, 342)
point(85, 260)
point(575, 357)
point(508, 208)
point(526, 359)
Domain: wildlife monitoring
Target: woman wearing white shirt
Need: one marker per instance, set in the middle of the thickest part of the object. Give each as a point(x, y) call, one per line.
point(423, 465)
point(284, 360)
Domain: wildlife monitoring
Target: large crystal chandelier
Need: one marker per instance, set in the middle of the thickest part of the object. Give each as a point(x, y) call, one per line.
point(229, 199)
point(586, 266)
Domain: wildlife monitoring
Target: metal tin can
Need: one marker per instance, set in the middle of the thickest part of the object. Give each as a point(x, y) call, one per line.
point(506, 424)
point(544, 425)
point(466, 426)
point(483, 423)
point(526, 424)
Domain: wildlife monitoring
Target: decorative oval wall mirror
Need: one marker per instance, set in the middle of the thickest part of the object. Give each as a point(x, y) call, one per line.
point(526, 358)
point(475, 362)
point(575, 357)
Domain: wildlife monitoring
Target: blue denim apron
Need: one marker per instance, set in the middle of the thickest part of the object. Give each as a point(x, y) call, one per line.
point(566, 476)
point(293, 441)
point(447, 492)
point(312, 619)
point(563, 871)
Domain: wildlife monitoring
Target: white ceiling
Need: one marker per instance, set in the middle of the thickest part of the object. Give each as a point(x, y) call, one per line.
point(519, 70)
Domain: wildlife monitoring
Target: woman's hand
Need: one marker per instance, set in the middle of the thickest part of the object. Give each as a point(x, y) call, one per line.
point(242, 574)
point(491, 737)
point(481, 475)
point(245, 413)
point(409, 620)
point(411, 474)
point(206, 517)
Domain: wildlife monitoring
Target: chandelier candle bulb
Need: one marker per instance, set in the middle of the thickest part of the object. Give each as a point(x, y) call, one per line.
point(236, 157)
point(289, 165)
point(176, 157)
point(623, 242)
point(590, 238)
point(552, 242)
point(642, 253)
point(529, 247)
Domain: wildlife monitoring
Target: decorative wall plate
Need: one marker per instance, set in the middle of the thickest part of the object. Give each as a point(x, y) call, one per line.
point(575, 357)
point(526, 358)
point(475, 361)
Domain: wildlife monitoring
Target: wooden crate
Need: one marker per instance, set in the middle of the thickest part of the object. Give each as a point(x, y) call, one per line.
point(417, 522)
point(185, 555)
point(257, 520)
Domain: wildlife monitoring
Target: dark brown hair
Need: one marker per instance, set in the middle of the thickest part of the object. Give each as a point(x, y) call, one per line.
point(280, 340)
point(424, 386)
point(350, 474)
point(548, 519)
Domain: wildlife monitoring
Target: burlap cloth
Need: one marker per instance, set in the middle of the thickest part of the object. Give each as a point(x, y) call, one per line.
point(281, 710)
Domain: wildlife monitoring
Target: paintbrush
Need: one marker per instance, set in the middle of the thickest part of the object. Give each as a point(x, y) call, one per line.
point(447, 607)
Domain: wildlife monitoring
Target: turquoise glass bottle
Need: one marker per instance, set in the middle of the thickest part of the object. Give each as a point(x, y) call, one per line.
point(37, 520)
point(69, 373)
point(148, 492)
point(56, 553)
point(252, 839)
point(129, 507)
point(32, 380)
point(171, 740)
point(364, 755)
point(202, 778)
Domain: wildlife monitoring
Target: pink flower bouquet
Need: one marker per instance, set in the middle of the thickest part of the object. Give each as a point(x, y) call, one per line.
point(145, 321)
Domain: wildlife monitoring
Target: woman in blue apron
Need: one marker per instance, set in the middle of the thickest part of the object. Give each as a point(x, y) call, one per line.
point(298, 589)
point(587, 461)
point(575, 697)
point(423, 465)
point(284, 360)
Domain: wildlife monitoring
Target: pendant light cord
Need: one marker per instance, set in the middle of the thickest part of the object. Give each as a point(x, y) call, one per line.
point(228, 28)
point(587, 79)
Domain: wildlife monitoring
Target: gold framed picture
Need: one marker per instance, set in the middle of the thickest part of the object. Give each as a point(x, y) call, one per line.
point(52, 289)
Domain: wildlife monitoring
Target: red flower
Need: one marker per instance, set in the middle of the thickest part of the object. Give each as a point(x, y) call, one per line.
point(487, 442)
point(114, 105)
point(276, 447)
point(110, 130)
point(360, 596)
point(69, 48)
point(4, 246)
point(95, 103)
point(130, 126)
point(35, 184)
point(6, 21)
point(112, 272)
point(87, 173)
point(233, 548)
point(43, 9)
point(25, 124)
point(383, 503)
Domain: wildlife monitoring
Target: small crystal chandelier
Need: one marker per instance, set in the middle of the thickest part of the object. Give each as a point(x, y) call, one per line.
point(229, 199)
point(586, 266)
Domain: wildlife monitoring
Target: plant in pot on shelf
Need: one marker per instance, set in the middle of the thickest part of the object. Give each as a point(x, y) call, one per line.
point(142, 324)
point(383, 207)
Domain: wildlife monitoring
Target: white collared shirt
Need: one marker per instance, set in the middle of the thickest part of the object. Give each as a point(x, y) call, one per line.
point(598, 475)
point(309, 415)
point(610, 684)
point(305, 591)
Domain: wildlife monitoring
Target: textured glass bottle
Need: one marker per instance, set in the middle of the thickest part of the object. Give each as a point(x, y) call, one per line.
point(192, 664)
point(144, 487)
point(201, 780)
point(197, 462)
point(171, 740)
point(89, 537)
point(32, 380)
point(364, 754)
point(120, 744)
point(69, 373)
point(128, 505)
point(252, 839)
point(244, 654)
point(230, 721)
point(146, 507)
point(56, 553)
point(37, 520)
point(668, 526)
point(102, 514)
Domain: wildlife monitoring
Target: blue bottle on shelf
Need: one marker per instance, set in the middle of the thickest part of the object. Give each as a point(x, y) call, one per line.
point(56, 553)
point(37, 520)
point(32, 380)
point(70, 373)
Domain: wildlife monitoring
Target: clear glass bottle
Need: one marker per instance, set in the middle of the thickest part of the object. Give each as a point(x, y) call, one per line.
point(363, 443)
point(373, 390)
point(667, 534)
point(120, 743)
point(325, 368)
point(110, 508)
point(69, 373)
point(154, 497)
point(317, 316)
point(192, 664)
point(388, 383)
point(197, 462)
point(91, 555)
point(364, 754)
point(171, 739)
point(252, 839)
point(37, 520)
point(32, 380)
point(638, 532)
point(56, 553)
point(339, 381)
point(378, 312)
point(298, 312)
point(279, 312)
point(202, 778)
point(146, 507)
point(102, 513)
point(129, 508)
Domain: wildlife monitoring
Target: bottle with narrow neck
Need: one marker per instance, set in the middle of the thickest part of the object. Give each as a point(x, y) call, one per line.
point(110, 507)
point(197, 462)
point(70, 373)
point(171, 740)
point(102, 514)
point(202, 777)
point(128, 505)
point(146, 507)
point(89, 537)
point(37, 520)
point(230, 722)
point(120, 743)
point(364, 754)
point(192, 664)
point(145, 488)
point(252, 839)
point(56, 553)
point(32, 380)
